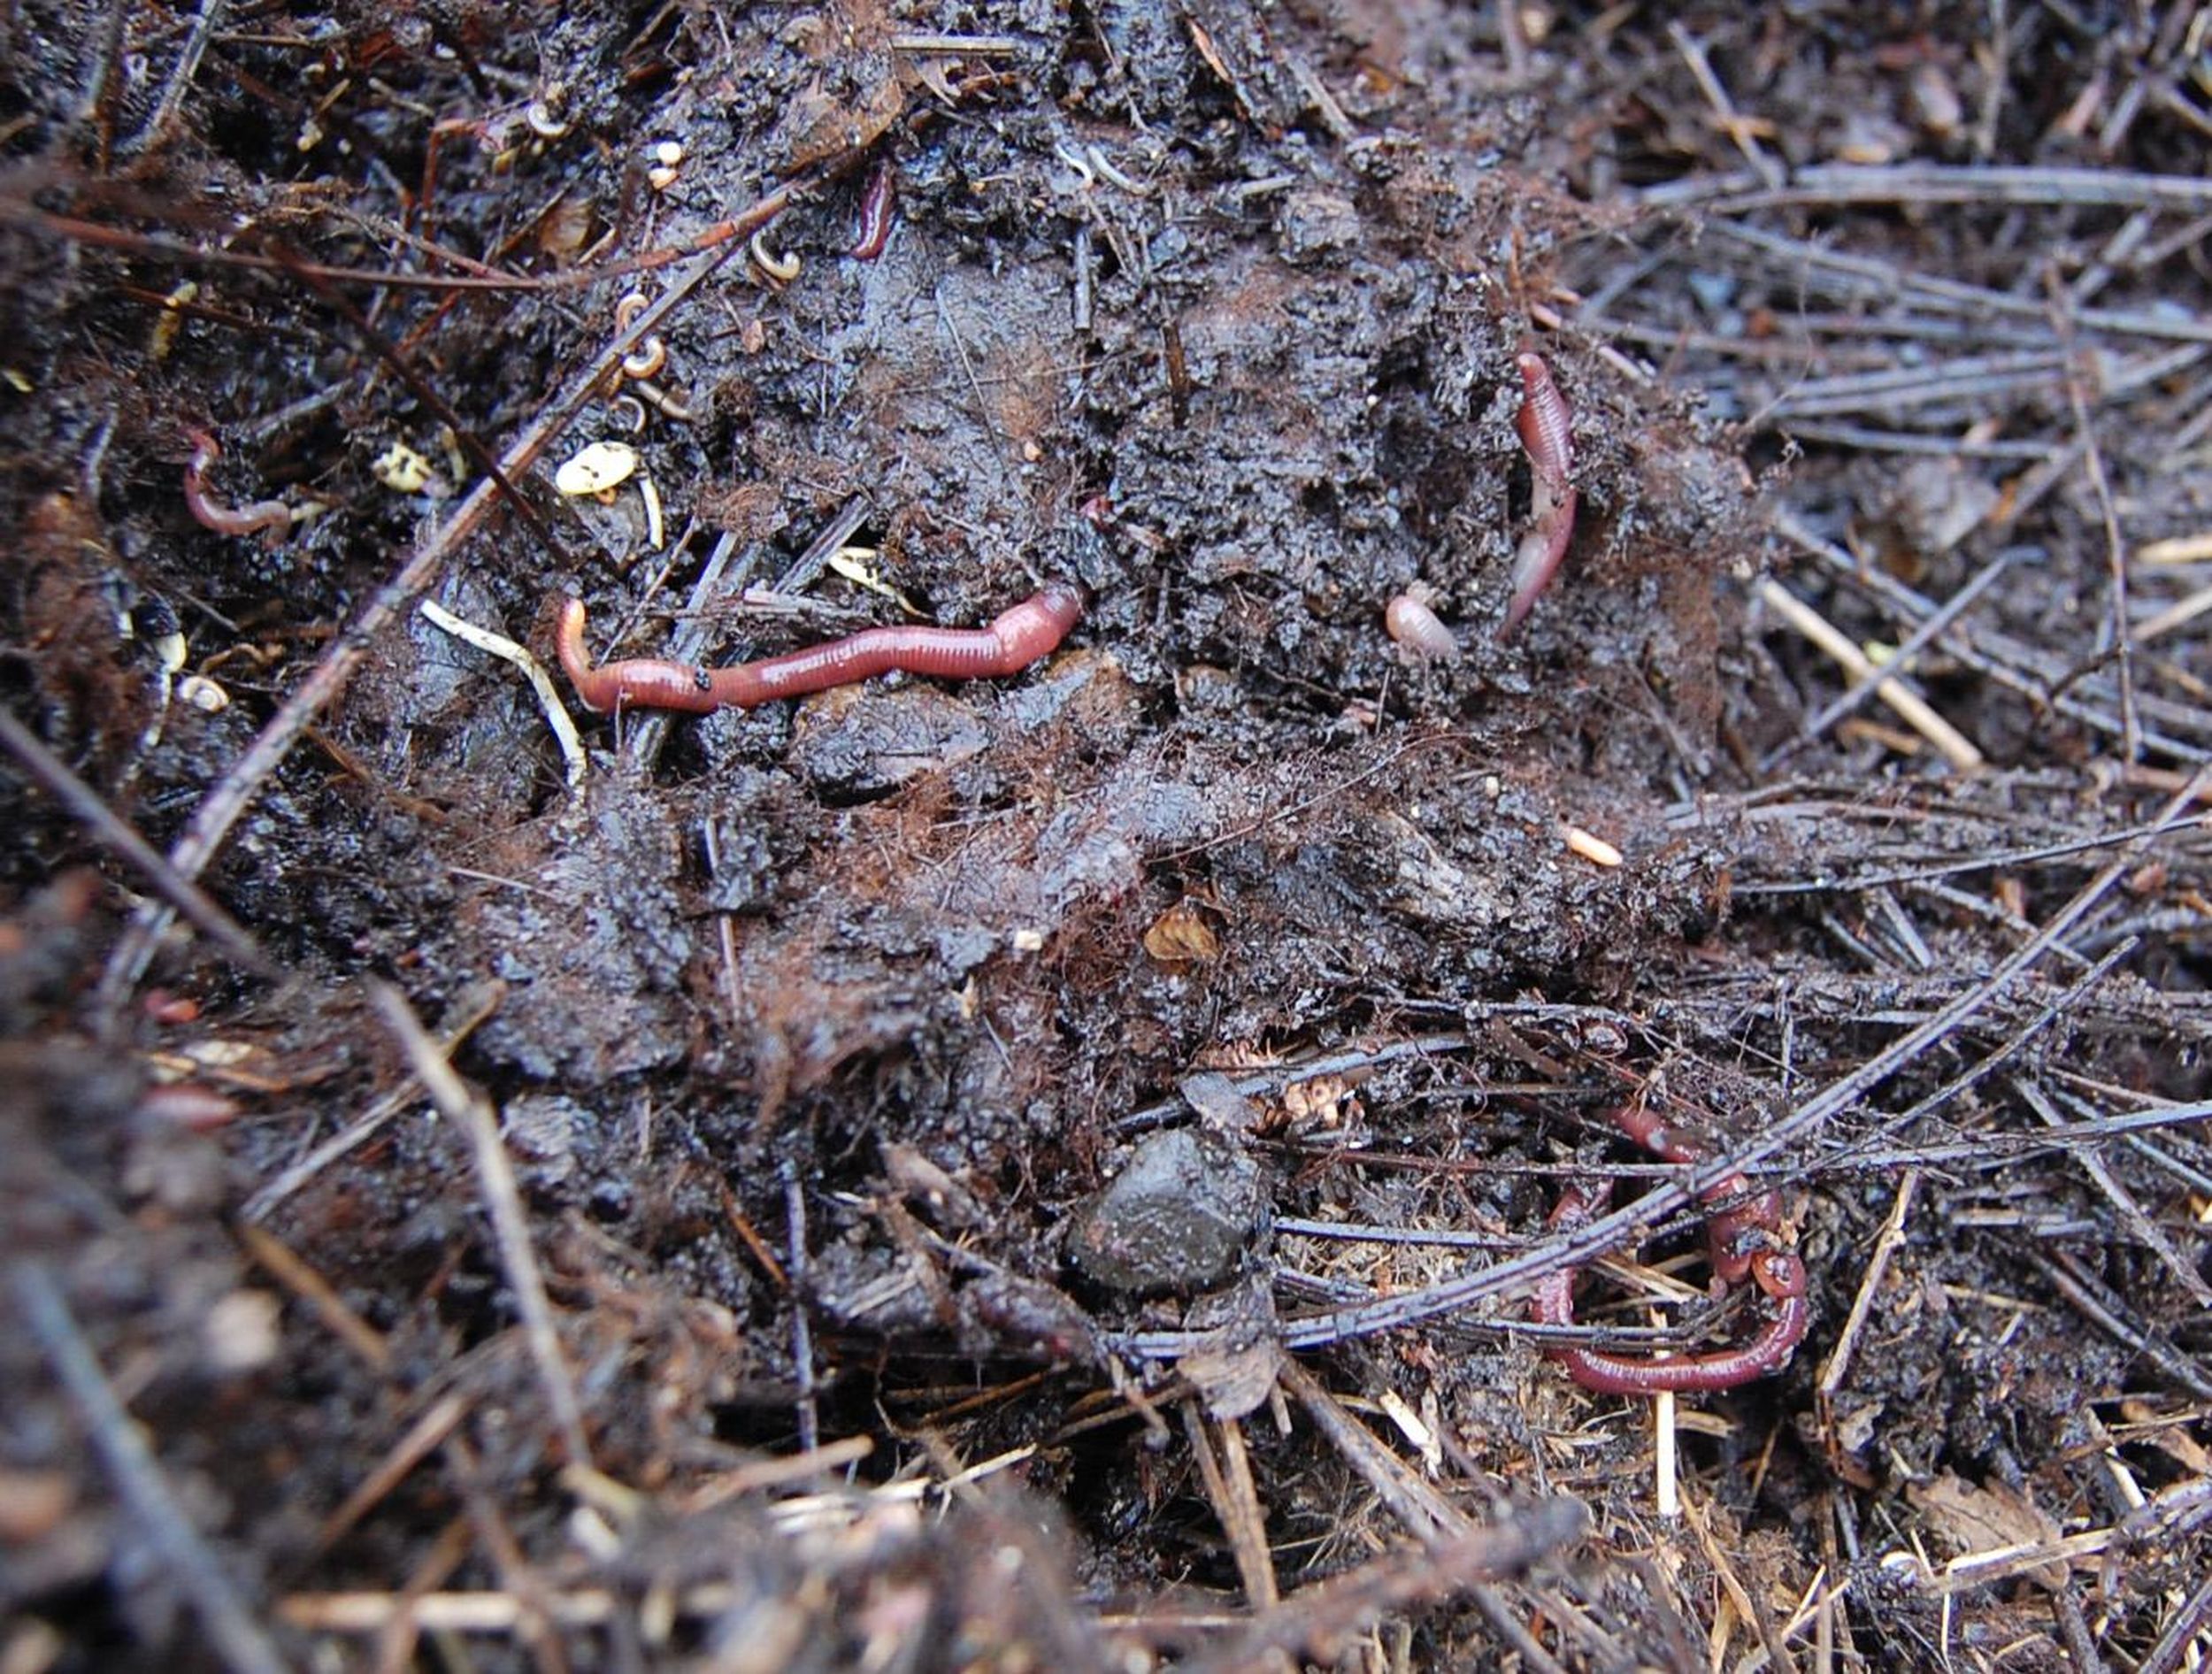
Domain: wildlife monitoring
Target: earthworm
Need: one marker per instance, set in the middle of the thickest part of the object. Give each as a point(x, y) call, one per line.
point(879, 205)
point(1548, 438)
point(269, 519)
point(1743, 1227)
point(1414, 625)
point(1741, 1243)
point(1763, 1355)
point(1015, 638)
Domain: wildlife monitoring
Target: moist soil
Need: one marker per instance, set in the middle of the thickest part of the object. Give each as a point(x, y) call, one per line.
point(1052, 1170)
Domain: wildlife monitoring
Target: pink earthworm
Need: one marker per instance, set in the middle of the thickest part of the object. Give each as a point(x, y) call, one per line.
point(1015, 638)
point(1548, 438)
point(271, 519)
point(879, 209)
point(1743, 1239)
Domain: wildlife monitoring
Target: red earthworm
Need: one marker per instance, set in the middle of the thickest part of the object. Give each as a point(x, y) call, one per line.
point(1015, 638)
point(1741, 1242)
point(1414, 625)
point(270, 518)
point(1738, 1232)
point(1762, 1357)
point(879, 206)
point(1548, 438)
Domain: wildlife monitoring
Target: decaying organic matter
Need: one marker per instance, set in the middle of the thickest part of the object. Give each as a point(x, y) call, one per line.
point(1071, 1151)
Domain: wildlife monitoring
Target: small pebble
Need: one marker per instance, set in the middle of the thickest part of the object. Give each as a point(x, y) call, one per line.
point(1176, 1220)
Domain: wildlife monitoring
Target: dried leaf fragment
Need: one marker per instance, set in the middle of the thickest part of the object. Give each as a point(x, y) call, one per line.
point(1974, 1519)
point(1181, 937)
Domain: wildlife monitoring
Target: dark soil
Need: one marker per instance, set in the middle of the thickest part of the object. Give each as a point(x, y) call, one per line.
point(1050, 1171)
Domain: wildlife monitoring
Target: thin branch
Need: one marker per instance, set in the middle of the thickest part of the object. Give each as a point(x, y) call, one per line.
point(112, 832)
point(1961, 751)
point(139, 1480)
point(1831, 184)
point(1855, 695)
point(502, 1201)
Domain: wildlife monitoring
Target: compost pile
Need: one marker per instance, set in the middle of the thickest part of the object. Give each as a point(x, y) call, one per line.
point(1105, 1165)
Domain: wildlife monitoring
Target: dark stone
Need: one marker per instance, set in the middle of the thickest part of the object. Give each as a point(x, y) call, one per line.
point(1178, 1219)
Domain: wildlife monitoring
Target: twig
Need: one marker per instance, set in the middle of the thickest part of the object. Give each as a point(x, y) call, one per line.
point(2115, 561)
point(425, 389)
point(1955, 747)
point(641, 747)
point(825, 546)
point(502, 1202)
point(979, 46)
point(1899, 662)
point(518, 1576)
point(422, 1438)
point(1971, 378)
point(1999, 859)
point(2103, 1311)
point(1880, 280)
point(499, 645)
point(1943, 445)
point(1728, 118)
point(2183, 1629)
point(725, 941)
point(1236, 1501)
point(1273, 1081)
point(1837, 183)
point(1327, 1613)
point(312, 1287)
point(2035, 685)
point(1747, 1606)
point(1425, 1512)
point(2140, 1226)
point(181, 74)
point(1893, 1233)
point(2187, 549)
point(1524, 1538)
point(258, 1207)
point(759, 1474)
point(2172, 617)
point(1513, 39)
point(238, 1640)
point(796, 1257)
point(114, 833)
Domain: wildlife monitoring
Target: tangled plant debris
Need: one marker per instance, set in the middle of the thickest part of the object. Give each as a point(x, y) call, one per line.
point(1069, 1141)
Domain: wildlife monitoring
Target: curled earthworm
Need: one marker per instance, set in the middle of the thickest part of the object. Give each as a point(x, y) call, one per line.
point(270, 519)
point(1015, 638)
point(1416, 628)
point(1742, 1240)
point(1548, 438)
point(879, 205)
